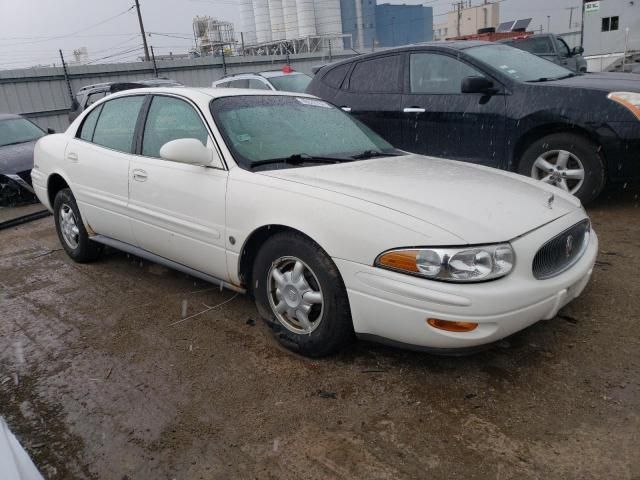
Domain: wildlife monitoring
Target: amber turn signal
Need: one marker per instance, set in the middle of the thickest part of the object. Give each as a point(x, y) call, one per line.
point(451, 326)
point(400, 260)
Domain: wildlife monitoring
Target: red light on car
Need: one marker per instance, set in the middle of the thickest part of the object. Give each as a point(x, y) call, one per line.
point(287, 69)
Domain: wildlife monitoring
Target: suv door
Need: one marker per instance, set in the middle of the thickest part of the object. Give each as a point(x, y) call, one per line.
point(97, 161)
point(374, 95)
point(565, 58)
point(441, 121)
point(177, 209)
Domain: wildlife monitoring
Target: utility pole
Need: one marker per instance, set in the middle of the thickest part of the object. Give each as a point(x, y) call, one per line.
point(242, 42)
point(582, 25)
point(548, 22)
point(66, 78)
point(144, 37)
point(153, 59)
point(571, 9)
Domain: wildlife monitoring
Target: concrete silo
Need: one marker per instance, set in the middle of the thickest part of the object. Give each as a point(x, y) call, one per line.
point(248, 22)
point(290, 13)
point(328, 17)
point(306, 18)
point(276, 16)
point(263, 20)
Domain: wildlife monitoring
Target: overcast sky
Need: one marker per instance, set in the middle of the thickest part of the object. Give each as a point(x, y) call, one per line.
point(32, 31)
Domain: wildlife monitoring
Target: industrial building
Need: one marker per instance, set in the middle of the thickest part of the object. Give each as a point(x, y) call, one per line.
point(466, 19)
point(612, 34)
point(276, 26)
point(213, 36)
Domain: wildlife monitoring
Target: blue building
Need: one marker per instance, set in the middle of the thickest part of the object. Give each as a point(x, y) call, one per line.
point(372, 25)
point(403, 24)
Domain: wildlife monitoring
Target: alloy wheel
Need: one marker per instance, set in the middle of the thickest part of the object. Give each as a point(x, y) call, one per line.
point(295, 295)
point(69, 226)
point(559, 168)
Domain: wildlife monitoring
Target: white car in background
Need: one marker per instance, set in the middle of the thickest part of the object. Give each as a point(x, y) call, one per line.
point(284, 80)
point(332, 230)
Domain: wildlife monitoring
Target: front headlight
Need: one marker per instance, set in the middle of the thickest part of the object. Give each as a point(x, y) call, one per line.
point(630, 100)
point(459, 264)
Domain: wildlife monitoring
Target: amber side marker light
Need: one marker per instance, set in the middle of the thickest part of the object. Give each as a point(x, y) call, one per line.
point(451, 326)
point(400, 260)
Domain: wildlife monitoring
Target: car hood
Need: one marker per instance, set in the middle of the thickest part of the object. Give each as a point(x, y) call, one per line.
point(16, 158)
point(476, 204)
point(604, 81)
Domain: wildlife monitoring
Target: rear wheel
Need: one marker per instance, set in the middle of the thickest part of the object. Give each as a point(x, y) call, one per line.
point(567, 161)
point(71, 232)
point(300, 294)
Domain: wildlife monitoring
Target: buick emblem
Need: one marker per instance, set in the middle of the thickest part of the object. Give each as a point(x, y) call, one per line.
point(568, 248)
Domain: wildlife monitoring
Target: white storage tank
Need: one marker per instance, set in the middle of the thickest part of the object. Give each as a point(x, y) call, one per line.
point(263, 20)
point(328, 17)
point(248, 22)
point(306, 18)
point(290, 13)
point(276, 16)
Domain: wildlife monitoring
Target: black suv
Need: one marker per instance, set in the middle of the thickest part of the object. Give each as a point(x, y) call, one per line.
point(89, 94)
point(495, 105)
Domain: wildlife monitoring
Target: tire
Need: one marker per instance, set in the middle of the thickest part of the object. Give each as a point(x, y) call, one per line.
point(71, 232)
point(580, 153)
point(329, 327)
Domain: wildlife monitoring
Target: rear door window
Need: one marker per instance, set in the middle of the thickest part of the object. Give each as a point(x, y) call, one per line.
point(378, 75)
point(258, 84)
point(169, 119)
point(117, 123)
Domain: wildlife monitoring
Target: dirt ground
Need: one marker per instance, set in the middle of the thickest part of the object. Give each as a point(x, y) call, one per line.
point(98, 380)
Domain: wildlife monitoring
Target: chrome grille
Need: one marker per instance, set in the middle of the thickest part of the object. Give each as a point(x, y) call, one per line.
point(562, 251)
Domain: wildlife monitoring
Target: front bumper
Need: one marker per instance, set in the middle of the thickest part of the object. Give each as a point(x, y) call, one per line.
point(394, 306)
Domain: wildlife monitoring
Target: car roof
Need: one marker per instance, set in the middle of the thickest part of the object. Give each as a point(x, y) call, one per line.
point(7, 116)
point(206, 93)
point(107, 86)
point(263, 74)
point(456, 45)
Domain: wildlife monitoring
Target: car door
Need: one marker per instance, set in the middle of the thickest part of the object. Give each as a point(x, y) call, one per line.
point(566, 59)
point(97, 161)
point(441, 121)
point(374, 95)
point(177, 209)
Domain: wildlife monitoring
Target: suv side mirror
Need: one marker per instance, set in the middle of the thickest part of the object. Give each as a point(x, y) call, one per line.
point(50, 131)
point(187, 150)
point(477, 85)
point(577, 51)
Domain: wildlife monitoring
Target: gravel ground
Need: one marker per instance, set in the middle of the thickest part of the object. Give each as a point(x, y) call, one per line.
point(98, 381)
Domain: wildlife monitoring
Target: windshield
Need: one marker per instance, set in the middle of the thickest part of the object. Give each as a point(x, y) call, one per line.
point(258, 128)
point(296, 83)
point(517, 63)
point(18, 130)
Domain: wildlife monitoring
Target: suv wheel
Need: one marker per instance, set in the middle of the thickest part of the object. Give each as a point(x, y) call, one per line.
point(71, 232)
point(567, 161)
point(300, 294)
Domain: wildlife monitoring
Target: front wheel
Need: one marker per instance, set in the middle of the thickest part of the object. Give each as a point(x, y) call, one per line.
point(300, 294)
point(567, 161)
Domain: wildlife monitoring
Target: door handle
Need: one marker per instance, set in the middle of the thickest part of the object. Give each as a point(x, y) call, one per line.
point(414, 110)
point(346, 109)
point(72, 157)
point(139, 175)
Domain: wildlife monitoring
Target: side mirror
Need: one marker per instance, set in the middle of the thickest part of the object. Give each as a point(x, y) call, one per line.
point(187, 150)
point(50, 131)
point(477, 85)
point(577, 51)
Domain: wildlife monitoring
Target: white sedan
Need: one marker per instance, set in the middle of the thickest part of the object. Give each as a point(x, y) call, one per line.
point(333, 231)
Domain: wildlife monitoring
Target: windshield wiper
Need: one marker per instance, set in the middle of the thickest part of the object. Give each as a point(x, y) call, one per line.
point(367, 154)
point(299, 158)
point(547, 79)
